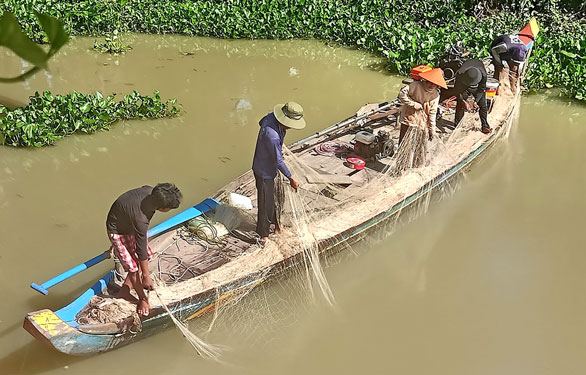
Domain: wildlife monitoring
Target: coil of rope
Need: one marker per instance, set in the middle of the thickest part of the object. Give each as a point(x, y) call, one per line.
point(334, 149)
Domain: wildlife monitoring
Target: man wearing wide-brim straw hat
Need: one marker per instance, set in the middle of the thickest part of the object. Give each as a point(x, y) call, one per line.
point(268, 160)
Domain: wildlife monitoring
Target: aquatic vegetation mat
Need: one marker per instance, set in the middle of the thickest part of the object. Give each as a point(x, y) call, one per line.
point(407, 33)
point(50, 117)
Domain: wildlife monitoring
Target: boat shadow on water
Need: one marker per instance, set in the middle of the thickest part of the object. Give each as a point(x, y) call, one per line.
point(35, 358)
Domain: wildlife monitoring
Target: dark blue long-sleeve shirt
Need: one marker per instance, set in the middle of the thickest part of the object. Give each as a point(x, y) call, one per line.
point(268, 155)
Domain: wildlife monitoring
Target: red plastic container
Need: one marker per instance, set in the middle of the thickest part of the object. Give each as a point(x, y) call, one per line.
point(356, 163)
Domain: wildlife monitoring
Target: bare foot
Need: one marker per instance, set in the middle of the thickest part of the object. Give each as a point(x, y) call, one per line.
point(263, 240)
point(143, 308)
point(277, 230)
point(124, 293)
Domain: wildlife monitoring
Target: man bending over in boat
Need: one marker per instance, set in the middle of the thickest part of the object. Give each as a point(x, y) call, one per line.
point(470, 81)
point(127, 225)
point(268, 159)
point(508, 51)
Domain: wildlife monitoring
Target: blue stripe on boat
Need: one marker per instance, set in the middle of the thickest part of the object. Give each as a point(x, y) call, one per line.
point(68, 313)
point(182, 217)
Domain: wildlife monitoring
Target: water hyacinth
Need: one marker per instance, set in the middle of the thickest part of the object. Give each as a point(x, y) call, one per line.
point(407, 33)
point(49, 117)
point(112, 44)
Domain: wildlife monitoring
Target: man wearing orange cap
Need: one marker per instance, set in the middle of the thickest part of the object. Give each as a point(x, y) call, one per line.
point(422, 95)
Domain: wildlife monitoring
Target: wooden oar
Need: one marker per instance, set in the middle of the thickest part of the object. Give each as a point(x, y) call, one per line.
point(178, 219)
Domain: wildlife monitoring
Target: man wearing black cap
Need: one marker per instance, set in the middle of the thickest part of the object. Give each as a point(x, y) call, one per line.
point(470, 81)
point(268, 160)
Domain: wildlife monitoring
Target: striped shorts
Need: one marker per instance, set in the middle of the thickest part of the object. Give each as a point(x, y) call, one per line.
point(124, 246)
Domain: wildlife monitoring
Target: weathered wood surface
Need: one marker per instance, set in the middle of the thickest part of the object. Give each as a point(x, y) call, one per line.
point(328, 179)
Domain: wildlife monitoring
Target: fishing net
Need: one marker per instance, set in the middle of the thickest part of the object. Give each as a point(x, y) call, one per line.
point(119, 314)
point(321, 211)
point(202, 348)
point(255, 314)
point(328, 210)
point(413, 149)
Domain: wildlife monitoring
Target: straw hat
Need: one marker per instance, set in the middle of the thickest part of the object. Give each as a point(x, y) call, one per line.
point(290, 115)
point(435, 76)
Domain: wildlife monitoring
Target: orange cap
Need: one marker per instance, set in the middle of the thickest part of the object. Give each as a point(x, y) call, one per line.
point(435, 76)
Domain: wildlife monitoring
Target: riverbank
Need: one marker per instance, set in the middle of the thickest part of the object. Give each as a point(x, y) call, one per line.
point(406, 33)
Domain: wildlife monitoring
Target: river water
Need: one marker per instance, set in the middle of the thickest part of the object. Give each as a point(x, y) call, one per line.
point(491, 279)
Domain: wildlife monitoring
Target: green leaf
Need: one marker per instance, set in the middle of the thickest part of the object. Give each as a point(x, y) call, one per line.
point(86, 107)
point(55, 32)
point(12, 37)
point(15, 39)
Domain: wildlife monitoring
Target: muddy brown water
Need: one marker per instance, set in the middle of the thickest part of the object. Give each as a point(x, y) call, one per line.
point(491, 279)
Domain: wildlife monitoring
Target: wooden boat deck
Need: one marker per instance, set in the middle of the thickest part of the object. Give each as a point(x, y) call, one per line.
point(179, 258)
point(191, 259)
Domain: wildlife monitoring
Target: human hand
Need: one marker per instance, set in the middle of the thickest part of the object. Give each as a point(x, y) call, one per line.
point(426, 108)
point(294, 184)
point(417, 106)
point(147, 283)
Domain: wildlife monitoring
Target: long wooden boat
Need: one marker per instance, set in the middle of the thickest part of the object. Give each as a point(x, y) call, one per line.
point(200, 273)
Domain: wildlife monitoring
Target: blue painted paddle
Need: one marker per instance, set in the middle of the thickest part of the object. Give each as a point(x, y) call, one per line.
point(180, 218)
point(43, 288)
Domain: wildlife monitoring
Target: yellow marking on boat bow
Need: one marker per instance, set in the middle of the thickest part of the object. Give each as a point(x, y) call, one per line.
point(48, 321)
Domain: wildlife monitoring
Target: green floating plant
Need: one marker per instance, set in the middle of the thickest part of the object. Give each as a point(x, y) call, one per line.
point(49, 117)
point(112, 44)
point(405, 32)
